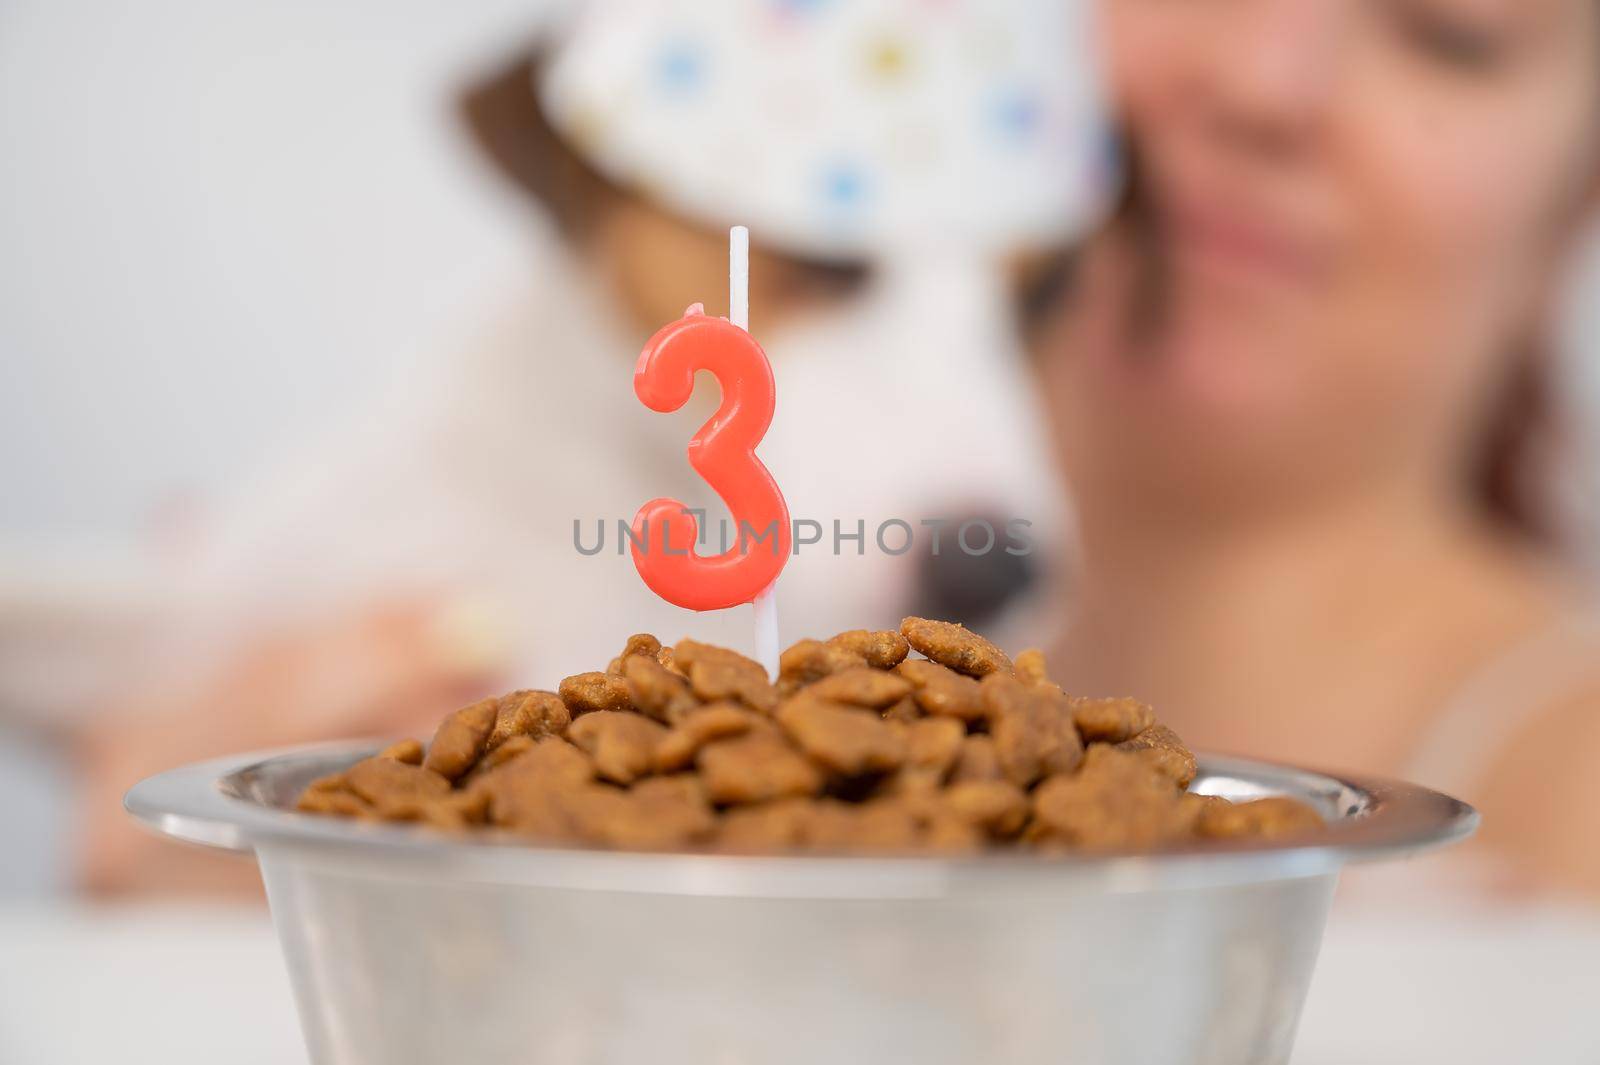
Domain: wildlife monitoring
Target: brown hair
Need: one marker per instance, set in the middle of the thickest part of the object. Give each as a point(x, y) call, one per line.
point(502, 114)
point(1505, 475)
point(508, 126)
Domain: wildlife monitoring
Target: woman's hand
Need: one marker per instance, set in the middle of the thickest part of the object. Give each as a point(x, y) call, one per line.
point(390, 670)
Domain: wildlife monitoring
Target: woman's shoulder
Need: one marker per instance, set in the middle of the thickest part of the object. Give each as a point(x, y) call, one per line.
point(1520, 735)
point(1540, 797)
point(1537, 645)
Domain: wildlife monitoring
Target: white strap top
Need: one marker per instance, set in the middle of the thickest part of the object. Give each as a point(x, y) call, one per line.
point(1505, 697)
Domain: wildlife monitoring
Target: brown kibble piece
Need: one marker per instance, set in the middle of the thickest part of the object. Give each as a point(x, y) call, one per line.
point(622, 745)
point(718, 673)
point(336, 802)
point(676, 808)
point(940, 827)
point(588, 693)
point(523, 792)
point(880, 650)
point(779, 825)
point(955, 646)
point(1030, 667)
point(330, 783)
point(1176, 765)
point(1034, 736)
point(942, 691)
point(381, 781)
point(1199, 801)
point(534, 714)
point(933, 744)
point(407, 751)
point(809, 661)
point(861, 686)
point(756, 767)
point(905, 711)
point(910, 782)
point(455, 810)
point(553, 761)
point(529, 806)
point(550, 764)
point(717, 721)
point(1194, 805)
point(977, 760)
point(459, 742)
point(657, 691)
point(1111, 720)
point(666, 659)
point(1162, 749)
point(878, 825)
point(497, 757)
point(1269, 818)
point(471, 806)
point(950, 833)
point(996, 806)
point(658, 814)
point(1115, 801)
point(844, 739)
point(639, 644)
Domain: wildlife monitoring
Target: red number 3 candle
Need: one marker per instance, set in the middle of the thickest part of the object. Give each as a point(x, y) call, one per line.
point(723, 453)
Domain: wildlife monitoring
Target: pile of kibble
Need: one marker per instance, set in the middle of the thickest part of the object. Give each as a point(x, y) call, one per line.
point(857, 746)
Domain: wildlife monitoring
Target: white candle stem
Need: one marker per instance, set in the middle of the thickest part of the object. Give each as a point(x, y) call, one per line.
point(739, 277)
point(767, 643)
point(765, 604)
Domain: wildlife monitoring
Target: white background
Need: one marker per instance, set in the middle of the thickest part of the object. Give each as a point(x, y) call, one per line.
point(220, 223)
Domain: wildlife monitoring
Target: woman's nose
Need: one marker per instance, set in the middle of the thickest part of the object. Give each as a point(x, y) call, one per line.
point(1267, 83)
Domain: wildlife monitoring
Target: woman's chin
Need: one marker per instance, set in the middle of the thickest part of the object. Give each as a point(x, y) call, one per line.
point(1215, 374)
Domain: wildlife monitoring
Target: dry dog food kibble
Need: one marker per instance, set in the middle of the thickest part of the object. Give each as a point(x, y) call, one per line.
point(657, 690)
point(462, 739)
point(926, 739)
point(1111, 720)
point(588, 692)
point(942, 691)
point(881, 650)
point(718, 673)
point(532, 714)
point(955, 646)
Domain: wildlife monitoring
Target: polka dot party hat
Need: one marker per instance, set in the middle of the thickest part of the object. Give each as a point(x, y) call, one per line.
point(843, 127)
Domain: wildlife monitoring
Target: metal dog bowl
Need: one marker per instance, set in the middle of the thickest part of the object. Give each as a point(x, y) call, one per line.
point(410, 946)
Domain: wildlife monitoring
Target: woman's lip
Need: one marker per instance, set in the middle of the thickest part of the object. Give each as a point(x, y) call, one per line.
point(1238, 244)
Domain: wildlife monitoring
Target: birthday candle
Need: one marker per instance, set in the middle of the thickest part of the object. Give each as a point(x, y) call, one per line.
point(723, 453)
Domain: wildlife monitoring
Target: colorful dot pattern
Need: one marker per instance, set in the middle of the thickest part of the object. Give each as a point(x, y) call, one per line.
point(876, 123)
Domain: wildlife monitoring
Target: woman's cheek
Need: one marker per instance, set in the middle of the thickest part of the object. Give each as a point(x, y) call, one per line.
point(1479, 189)
point(1444, 225)
point(1150, 51)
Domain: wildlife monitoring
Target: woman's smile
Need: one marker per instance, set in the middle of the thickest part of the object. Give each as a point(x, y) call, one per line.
point(1223, 242)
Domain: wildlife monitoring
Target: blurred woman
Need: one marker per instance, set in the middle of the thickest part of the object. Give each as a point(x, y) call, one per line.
point(1293, 382)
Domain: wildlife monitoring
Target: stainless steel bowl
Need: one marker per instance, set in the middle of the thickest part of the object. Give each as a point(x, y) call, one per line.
point(408, 946)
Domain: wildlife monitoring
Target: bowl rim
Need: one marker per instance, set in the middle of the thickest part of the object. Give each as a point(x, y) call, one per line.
point(218, 804)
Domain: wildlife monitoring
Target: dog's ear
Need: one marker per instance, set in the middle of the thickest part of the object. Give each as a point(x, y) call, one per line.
point(503, 118)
